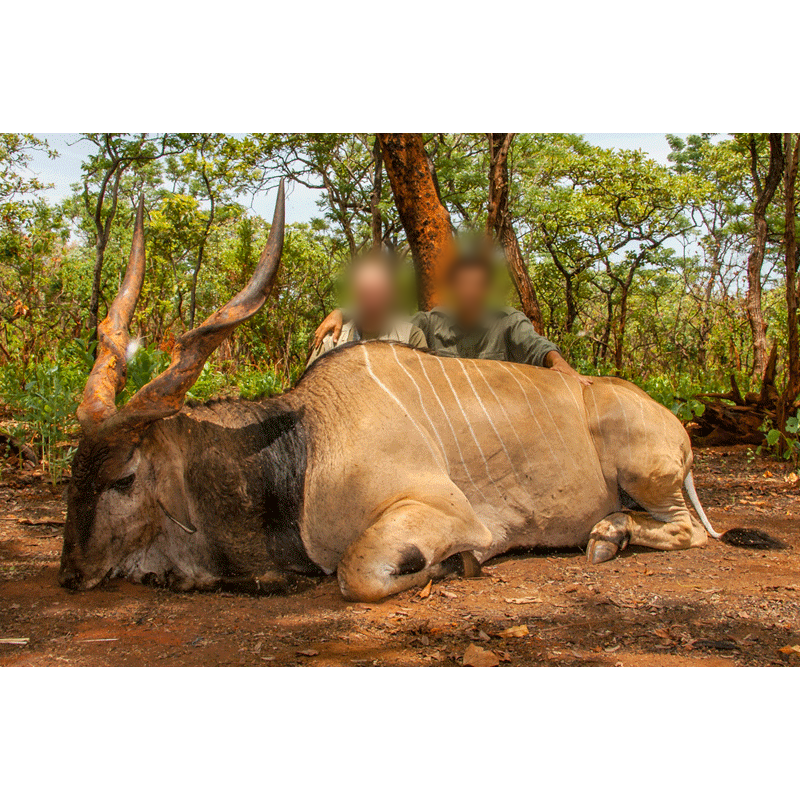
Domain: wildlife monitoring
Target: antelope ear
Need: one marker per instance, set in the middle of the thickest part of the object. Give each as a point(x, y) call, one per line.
point(171, 491)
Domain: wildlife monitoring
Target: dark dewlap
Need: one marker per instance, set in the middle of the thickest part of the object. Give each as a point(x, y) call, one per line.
point(284, 486)
point(252, 474)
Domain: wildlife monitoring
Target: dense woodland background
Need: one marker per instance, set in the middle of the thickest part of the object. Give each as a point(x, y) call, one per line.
point(680, 278)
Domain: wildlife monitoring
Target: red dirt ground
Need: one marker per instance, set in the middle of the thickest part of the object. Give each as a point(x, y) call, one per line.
point(715, 606)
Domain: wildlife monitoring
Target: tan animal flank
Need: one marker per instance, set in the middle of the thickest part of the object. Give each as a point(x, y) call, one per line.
point(444, 455)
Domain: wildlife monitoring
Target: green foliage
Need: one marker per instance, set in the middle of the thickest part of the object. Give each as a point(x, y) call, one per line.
point(145, 364)
point(213, 382)
point(255, 384)
point(676, 392)
point(44, 404)
point(785, 447)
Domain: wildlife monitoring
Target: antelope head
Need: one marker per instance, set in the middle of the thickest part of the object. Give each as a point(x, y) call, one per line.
point(127, 476)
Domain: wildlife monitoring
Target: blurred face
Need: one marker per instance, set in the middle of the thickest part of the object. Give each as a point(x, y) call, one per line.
point(469, 293)
point(373, 295)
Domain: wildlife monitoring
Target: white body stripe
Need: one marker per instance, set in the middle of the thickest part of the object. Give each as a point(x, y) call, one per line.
point(549, 414)
point(508, 420)
point(597, 414)
point(533, 413)
point(569, 388)
point(644, 424)
point(422, 403)
point(452, 429)
point(396, 399)
point(625, 417)
point(469, 425)
point(488, 416)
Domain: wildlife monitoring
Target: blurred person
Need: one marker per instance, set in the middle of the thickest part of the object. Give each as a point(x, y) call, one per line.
point(469, 327)
point(374, 310)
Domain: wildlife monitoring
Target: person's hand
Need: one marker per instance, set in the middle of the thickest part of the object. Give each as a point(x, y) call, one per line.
point(331, 324)
point(558, 363)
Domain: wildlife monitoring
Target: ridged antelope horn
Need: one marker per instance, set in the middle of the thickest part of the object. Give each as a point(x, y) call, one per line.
point(164, 395)
point(109, 373)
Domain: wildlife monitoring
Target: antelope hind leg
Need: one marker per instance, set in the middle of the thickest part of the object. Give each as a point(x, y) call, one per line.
point(413, 541)
point(675, 530)
point(665, 524)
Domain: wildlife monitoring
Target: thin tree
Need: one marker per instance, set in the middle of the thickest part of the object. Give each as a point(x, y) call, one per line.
point(792, 388)
point(211, 194)
point(103, 172)
point(498, 223)
point(764, 194)
point(375, 198)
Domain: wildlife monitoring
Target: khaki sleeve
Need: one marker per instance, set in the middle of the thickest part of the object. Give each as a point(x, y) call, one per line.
point(417, 338)
point(327, 344)
point(422, 321)
point(525, 346)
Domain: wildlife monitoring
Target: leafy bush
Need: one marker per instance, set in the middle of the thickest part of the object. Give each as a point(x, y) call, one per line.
point(212, 382)
point(257, 383)
point(146, 363)
point(785, 447)
point(250, 383)
point(44, 410)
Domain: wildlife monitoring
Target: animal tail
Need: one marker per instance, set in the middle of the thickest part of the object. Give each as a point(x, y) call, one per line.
point(738, 537)
point(688, 484)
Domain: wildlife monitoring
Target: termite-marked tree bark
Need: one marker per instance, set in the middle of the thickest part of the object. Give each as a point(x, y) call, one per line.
point(755, 260)
point(425, 219)
point(499, 224)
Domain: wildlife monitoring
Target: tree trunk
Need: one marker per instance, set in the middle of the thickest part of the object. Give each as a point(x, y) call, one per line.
point(375, 200)
point(792, 388)
point(569, 294)
point(425, 220)
point(622, 322)
point(569, 290)
point(200, 253)
point(499, 223)
point(755, 260)
point(705, 318)
point(97, 278)
point(103, 233)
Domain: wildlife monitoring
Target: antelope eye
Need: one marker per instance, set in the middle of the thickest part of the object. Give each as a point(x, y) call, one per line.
point(123, 484)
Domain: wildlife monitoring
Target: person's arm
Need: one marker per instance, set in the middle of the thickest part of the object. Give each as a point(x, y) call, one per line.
point(525, 346)
point(554, 360)
point(331, 324)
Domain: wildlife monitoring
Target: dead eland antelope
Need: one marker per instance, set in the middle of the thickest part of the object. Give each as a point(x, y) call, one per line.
point(421, 466)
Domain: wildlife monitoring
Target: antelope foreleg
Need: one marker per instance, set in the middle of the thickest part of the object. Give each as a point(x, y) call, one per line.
point(411, 543)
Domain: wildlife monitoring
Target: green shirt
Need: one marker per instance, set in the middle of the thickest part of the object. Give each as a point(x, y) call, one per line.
point(504, 335)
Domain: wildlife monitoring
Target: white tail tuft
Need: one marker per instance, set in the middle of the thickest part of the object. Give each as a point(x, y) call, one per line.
point(688, 484)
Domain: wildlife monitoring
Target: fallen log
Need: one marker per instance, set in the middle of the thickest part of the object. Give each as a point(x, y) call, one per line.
point(721, 424)
point(730, 418)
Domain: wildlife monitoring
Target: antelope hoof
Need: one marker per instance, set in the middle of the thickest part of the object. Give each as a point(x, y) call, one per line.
point(604, 547)
point(600, 550)
point(472, 569)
